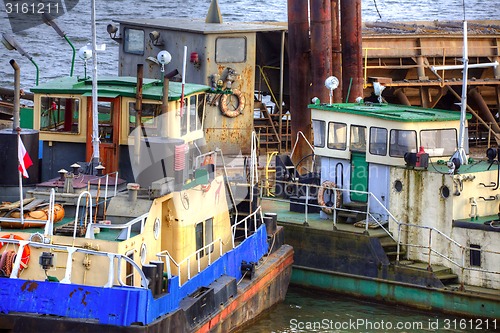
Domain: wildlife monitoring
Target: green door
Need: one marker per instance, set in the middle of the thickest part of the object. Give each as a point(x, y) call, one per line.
point(359, 176)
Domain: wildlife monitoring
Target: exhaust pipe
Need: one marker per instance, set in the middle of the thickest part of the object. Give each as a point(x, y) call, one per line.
point(17, 94)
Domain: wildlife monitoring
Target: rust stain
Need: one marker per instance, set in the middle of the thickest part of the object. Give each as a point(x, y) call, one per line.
point(84, 297)
point(30, 286)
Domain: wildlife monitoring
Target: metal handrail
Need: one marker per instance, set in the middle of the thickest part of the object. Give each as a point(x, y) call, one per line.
point(140, 219)
point(236, 224)
point(197, 254)
point(69, 264)
point(463, 249)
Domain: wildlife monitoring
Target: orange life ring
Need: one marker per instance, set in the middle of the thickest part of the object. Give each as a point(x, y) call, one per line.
point(326, 206)
point(8, 258)
point(224, 103)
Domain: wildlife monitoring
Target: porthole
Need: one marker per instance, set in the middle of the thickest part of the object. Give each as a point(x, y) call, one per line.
point(156, 228)
point(398, 186)
point(445, 191)
point(144, 253)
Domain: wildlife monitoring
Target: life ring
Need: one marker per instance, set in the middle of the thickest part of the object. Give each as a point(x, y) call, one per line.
point(8, 257)
point(326, 206)
point(224, 103)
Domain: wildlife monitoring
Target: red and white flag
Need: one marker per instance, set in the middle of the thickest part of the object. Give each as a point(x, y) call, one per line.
point(24, 159)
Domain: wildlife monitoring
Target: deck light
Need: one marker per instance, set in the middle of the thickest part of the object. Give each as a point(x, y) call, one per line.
point(155, 38)
point(49, 20)
point(10, 43)
point(331, 83)
point(112, 30)
point(164, 58)
point(85, 53)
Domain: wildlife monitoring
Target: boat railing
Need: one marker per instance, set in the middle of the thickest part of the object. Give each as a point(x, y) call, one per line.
point(104, 200)
point(127, 227)
point(114, 268)
point(433, 232)
point(244, 224)
point(430, 248)
point(336, 206)
point(197, 256)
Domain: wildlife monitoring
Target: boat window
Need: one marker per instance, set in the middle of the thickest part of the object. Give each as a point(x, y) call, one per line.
point(475, 255)
point(209, 235)
point(358, 138)
point(129, 270)
point(318, 133)
point(149, 115)
point(59, 114)
point(199, 237)
point(133, 41)
point(105, 121)
point(441, 142)
point(193, 118)
point(230, 49)
point(184, 117)
point(201, 111)
point(402, 142)
point(337, 136)
point(378, 141)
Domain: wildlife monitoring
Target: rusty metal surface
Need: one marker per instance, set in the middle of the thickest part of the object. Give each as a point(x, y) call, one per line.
point(298, 55)
point(321, 47)
point(352, 76)
point(336, 50)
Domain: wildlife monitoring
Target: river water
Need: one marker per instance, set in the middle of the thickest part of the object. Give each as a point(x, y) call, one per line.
point(303, 310)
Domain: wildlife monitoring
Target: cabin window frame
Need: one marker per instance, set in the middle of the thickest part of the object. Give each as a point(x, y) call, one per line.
point(377, 150)
point(444, 140)
point(319, 126)
point(475, 255)
point(204, 235)
point(151, 124)
point(126, 41)
point(358, 145)
point(399, 153)
point(199, 238)
point(129, 269)
point(226, 52)
point(209, 235)
point(189, 112)
point(335, 144)
point(52, 99)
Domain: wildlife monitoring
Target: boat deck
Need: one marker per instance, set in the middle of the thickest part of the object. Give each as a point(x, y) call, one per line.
point(282, 209)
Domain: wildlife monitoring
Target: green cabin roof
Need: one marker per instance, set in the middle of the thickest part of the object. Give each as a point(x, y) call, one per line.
point(114, 86)
point(402, 113)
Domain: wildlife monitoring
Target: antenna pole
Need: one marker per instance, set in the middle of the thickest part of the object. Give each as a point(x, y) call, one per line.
point(95, 123)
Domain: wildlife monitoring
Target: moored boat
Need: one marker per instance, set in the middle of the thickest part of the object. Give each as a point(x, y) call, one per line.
point(388, 212)
point(167, 253)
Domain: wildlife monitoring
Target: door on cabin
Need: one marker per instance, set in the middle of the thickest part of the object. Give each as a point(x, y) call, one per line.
point(359, 165)
point(108, 122)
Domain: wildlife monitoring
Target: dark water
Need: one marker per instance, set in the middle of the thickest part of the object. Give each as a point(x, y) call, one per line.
point(312, 311)
point(302, 308)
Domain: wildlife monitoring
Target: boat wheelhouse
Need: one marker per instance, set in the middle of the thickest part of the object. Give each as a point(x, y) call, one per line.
point(64, 118)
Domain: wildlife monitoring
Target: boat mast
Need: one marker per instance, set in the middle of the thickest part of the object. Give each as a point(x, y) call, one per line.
point(95, 124)
point(460, 154)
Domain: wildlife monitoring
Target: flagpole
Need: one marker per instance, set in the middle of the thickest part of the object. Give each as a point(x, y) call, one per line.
point(20, 177)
